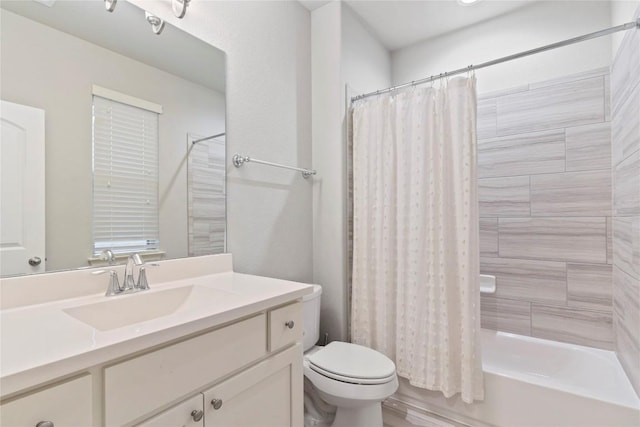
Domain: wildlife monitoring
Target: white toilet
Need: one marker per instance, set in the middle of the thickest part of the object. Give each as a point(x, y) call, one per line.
point(353, 378)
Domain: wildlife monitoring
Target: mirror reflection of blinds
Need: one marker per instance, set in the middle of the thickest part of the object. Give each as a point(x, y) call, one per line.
point(125, 178)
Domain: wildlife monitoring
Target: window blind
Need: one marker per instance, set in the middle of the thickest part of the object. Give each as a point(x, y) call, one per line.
point(125, 178)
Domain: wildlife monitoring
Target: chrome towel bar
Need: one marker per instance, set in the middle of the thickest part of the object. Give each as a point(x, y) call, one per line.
point(239, 160)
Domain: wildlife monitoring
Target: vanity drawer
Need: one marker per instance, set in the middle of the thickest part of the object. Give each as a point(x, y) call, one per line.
point(66, 404)
point(138, 386)
point(285, 326)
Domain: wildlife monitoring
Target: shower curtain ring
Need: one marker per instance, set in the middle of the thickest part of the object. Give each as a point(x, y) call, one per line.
point(470, 71)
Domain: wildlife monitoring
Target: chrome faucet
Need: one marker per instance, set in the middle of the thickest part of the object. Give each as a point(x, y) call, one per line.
point(129, 285)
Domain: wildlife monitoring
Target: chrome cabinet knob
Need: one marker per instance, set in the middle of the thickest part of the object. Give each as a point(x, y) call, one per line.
point(196, 415)
point(33, 262)
point(45, 424)
point(289, 324)
point(217, 404)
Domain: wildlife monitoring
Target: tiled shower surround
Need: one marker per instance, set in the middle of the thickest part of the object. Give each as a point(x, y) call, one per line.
point(206, 193)
point(625, 105)
point(544, 168)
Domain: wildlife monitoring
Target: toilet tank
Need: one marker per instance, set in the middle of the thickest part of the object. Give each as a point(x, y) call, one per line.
point(311, 313)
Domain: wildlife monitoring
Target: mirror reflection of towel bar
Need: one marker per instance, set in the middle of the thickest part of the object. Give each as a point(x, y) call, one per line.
point(208, 138)
point(239, 160)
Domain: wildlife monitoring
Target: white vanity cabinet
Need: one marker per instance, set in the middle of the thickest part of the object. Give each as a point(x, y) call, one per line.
point(255, 383)
point(236, 341)
point(140, 385)
point(67, 404)
point(268, 394)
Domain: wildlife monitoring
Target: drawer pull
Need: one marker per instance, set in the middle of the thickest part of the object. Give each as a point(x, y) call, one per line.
point(45, 424)
point(196, 415)
point(289, 324)
point(217, 404)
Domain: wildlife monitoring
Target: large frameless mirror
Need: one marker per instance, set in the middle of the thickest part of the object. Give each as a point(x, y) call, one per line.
point(113, 138)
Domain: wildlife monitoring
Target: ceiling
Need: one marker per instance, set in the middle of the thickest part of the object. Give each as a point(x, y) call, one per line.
point(126, 32)
point(398, 23)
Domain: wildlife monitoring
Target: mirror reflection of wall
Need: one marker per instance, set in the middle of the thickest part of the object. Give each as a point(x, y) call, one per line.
point(54, 57)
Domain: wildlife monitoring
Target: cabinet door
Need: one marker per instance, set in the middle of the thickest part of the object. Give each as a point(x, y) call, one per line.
point(140, 385)
point(183, 414)
point(66, 404)
point(268, 394)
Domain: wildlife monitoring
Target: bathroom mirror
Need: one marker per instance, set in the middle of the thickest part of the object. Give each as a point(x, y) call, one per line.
point(58, 58)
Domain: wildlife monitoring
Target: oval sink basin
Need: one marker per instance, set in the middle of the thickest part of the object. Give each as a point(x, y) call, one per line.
point(123, 310)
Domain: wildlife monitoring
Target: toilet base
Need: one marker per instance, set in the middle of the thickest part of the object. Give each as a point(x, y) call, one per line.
point(360, 416)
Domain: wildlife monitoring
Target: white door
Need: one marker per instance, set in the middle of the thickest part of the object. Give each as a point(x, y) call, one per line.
point(21, 189)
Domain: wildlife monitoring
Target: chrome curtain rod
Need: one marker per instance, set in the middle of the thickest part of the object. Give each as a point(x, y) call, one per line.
point(208, 137)
point(239, 160)
point(607, 31)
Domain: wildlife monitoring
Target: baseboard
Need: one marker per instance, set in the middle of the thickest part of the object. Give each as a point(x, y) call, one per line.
point(397, 413)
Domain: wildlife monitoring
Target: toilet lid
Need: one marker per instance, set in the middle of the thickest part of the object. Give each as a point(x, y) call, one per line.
point(353, 363)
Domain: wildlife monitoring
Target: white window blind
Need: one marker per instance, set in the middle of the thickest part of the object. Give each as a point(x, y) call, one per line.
point(125, 178)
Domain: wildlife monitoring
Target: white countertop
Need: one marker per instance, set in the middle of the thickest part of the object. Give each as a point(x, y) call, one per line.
point(40, 343)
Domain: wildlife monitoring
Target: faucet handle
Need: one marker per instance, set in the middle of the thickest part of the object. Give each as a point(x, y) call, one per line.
point(114, 284)
point(143, 284)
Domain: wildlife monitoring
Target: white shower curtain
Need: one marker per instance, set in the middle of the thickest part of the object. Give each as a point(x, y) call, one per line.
point(415, 286)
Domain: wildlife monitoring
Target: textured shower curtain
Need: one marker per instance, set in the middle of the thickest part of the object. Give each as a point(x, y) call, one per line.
point(415, 285)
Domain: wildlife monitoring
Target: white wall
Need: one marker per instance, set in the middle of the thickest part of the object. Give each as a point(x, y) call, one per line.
point(366, 63)
point(622, 11)
point(268, 94)
point(538, 24)
point(328, 160)
point(344, 53)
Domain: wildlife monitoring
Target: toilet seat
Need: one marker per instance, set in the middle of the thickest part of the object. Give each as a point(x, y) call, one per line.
point(351, 380)
point(352, 363)
point(332, 389)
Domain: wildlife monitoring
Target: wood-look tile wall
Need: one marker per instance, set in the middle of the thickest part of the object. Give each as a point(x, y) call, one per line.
point(206, 194)
point(625, 160)
point(545, 179)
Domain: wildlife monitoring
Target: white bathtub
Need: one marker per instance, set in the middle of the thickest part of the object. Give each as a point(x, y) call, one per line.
point(533, 382)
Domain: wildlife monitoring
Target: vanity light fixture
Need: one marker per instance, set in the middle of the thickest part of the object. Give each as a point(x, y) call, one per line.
point(180, 7)
point(110, 5)
point(467, 2)
point(157, 24)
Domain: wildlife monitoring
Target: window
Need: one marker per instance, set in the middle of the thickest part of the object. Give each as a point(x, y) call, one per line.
point(125, 176)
